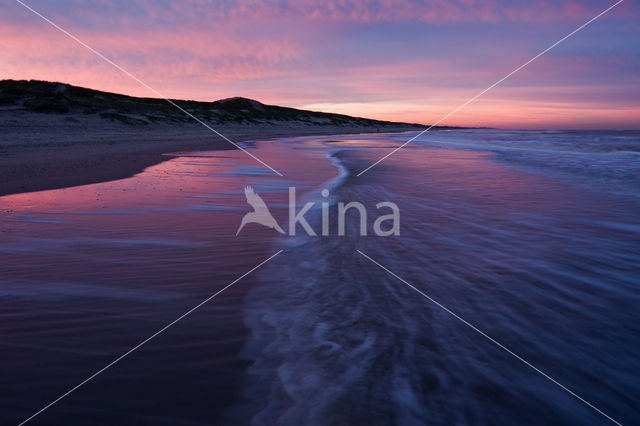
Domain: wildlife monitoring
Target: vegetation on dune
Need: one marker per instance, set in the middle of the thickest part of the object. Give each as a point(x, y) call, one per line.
point(60, 98)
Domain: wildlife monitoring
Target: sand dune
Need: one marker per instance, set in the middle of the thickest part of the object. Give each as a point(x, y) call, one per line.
point(55, 135)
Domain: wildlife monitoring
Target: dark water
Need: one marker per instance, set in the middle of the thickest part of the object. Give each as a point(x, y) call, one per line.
point(532, 237)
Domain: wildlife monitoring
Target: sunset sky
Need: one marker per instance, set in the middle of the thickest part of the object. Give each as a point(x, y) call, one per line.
point(389, 59)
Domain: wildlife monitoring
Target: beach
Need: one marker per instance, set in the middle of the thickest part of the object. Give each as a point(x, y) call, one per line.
point(336, 213)
point(47, 151)
point(503, 228)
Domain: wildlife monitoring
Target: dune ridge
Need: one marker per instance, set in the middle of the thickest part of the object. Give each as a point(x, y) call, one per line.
point(56, 135)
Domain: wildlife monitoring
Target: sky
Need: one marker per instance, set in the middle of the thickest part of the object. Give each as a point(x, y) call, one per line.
point(401, 60)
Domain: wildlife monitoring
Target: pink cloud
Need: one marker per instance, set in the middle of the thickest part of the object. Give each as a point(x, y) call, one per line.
point(154, 56)
point(298, 53)
point(151, 13)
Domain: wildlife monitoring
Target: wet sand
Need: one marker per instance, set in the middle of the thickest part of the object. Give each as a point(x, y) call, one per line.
point(43, 151)
point(543, 264)
point(126, 257)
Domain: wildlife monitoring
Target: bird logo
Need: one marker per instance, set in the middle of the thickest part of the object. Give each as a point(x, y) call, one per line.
point(260, 213)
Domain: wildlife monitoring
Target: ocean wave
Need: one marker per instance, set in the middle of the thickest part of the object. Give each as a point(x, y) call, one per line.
point(335, 340)
point(608, 160)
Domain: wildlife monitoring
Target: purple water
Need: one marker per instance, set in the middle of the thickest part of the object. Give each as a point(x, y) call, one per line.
point(532, 237)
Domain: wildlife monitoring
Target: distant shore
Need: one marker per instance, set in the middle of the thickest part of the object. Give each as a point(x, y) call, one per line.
point(41, 151)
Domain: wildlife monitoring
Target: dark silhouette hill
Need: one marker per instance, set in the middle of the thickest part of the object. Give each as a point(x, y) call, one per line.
point(55, 135)
point(60, 98)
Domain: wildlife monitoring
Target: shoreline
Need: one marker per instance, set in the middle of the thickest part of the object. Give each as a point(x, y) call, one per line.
point(43, 156)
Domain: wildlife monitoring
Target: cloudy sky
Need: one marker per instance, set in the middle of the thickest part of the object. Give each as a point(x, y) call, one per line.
point(390, 59)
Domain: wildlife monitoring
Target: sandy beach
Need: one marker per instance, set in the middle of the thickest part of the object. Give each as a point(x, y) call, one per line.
point(47, 151)
point(283, 213)
point(509, 236)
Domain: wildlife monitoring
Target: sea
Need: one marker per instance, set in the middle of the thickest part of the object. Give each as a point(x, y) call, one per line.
point(509, 295)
